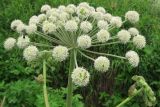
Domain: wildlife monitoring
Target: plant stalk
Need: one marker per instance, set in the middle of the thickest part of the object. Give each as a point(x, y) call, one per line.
point(129, 98)
point(44, 84)
point(70, 84)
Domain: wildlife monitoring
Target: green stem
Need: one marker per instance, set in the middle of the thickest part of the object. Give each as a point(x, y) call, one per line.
point(70, 84)
point(129, 98)
point(44, 84)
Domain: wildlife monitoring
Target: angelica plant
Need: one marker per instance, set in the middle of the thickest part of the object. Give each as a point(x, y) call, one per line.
point(68, 31)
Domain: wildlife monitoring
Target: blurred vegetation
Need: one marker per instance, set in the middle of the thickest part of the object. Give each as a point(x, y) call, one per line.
point(18, 82)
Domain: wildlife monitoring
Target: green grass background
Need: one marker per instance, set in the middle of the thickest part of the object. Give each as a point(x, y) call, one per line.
point(100, 92)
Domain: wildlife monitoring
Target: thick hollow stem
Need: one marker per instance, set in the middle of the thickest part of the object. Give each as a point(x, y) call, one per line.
point(129, 98)
point(70, 84)
point(44, 84)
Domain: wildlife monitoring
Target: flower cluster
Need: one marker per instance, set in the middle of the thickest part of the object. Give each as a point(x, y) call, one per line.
point(77, 29)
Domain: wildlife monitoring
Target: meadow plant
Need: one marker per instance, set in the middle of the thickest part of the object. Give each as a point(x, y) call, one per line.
point(68, 31)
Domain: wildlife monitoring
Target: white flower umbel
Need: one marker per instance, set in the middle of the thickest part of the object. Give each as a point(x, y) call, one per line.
point(41, 18)
point(86, 26)
point(103, 35)
point(71, 26)
point(45, 8)
point(33, 20)
point(22, 41)
point(60, 53)
point(102, 64)
point(15, 23)
point(133, 58)
point(107, 17)
point(132, 16)
point(124, 36)
point(84, 41)
point(30, 29)
point(139, 41)
point(9, 43)
point(116, 21)
point(102, 24)
point(49, 28)
point(30, 53)
point(101, 9)
point(80, 76)
point(76, 30)
point(133, 31)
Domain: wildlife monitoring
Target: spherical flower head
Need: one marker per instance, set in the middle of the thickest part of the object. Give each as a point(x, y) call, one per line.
point(83, 11)
point(124, 36)
point(102, 24)
point(133, 31)
point(41, 18)
point(133, 58)
point(9, 43)
point(84, 4)
point(80, 76)
point(84, 41)
point(116, 21)
point(101, 9)
point(132, 16)
point(49, 28)
point(33, 20)
point(21, 28)
point(71, 26)
point(86, 26)
point(23, 42)
point(60, 53)
point(107, 17)
point(30, 53)
point(15, 23)
point(61, 8)
point(64, 16)
point(71, 8)
point(139, 41)
point(97, 15)
point(102, 64)
point(45, 8)
point(30, 29)
point(103, 35)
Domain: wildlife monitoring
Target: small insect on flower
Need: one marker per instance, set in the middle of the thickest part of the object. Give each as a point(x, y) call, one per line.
point(116, 21)
point(84, 41)
point(124, 36)
point(133, 31)
point(139, 41)
point(60, 53)
point(49, 28)
point(9, 43)
point(132, 16)
point(133, 58)
point(71, 26)
point(102, 64)
point(86, 26)
point(80, 76)
point(23, 42)
point(30, 53)
point(103, 35)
